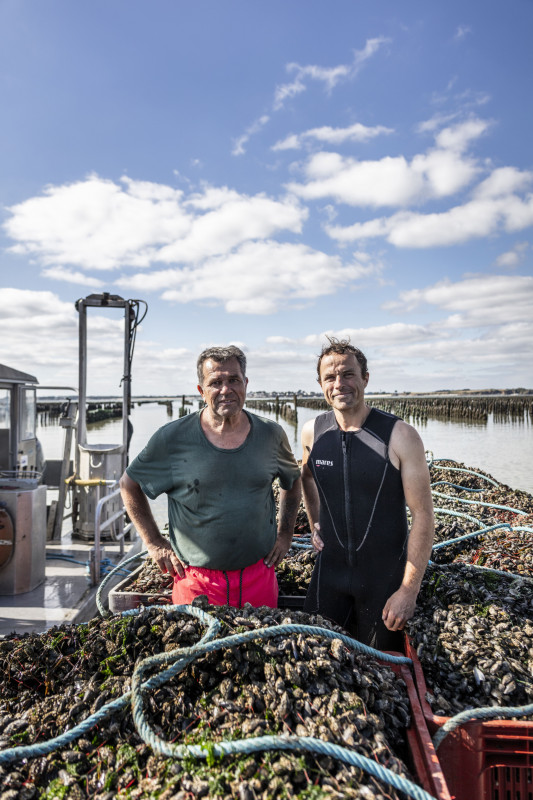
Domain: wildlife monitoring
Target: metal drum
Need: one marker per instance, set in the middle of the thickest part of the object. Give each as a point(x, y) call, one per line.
point(22, 569)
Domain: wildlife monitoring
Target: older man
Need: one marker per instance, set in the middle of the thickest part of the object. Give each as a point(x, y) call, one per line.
point(360, 468)
point(217, 467)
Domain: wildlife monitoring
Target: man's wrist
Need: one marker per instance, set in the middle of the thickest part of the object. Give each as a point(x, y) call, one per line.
point(410, 588)
point(285, 534)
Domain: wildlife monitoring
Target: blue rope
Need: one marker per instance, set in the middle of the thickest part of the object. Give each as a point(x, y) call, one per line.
point(458, 514)
point(504, 574)
point(471, 535)
point(455, 486)
point(461, 469)
point(480, 713)
point(63, 557)
point(183, 656)
point(101, 608)
point(480, 503)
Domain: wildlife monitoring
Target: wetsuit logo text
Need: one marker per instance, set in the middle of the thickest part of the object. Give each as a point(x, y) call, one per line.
point(321, 463)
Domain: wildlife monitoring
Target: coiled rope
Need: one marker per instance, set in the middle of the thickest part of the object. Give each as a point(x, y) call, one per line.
point(178, 659)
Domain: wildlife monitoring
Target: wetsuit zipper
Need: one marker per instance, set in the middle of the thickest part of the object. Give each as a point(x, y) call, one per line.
point(347, 506)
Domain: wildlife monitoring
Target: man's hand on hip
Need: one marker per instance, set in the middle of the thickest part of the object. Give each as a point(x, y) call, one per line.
point(316, 539)
point(280, 550)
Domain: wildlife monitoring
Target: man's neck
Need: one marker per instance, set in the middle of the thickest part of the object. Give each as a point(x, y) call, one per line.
point(352, 419)
point(226, 432)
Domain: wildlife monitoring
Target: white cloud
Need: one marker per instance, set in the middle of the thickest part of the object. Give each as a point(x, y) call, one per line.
point(255, 127)
point(393, 180)
point(354, 133)
point(235, 221)
point(504, 181)
point(99, 225)
point(39, 334)
point(328, 76)
point(480, 300)
point(435, 122)
point(458, 137)
point(70, 276)
point(258, 278)
point(481, 338)
point(364, 337)
point(480, 217)
point(513, 257)
point(462, 31)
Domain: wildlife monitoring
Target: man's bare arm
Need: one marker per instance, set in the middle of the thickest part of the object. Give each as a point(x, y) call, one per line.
point(409, 449)
point(289, 503)
point(310, 492)
point(140, 513)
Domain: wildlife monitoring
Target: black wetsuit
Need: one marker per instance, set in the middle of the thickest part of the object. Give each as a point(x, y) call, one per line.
point(363, 523)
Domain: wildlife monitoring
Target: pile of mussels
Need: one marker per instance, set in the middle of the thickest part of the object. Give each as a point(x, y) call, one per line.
point(473, 634)
point(472, 629)
point(467, 502)
point(298, 684)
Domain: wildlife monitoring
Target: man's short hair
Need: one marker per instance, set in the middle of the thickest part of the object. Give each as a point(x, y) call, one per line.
point(220, 355)
point(340, 347)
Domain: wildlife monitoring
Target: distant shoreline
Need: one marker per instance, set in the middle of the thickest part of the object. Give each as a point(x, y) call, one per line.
point(300, 394)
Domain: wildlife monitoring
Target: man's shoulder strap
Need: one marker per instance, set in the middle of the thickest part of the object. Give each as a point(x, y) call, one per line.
point(380, 423)
point(324, 423)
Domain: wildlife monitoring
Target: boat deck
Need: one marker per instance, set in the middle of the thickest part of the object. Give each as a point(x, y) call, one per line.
point(65, 596)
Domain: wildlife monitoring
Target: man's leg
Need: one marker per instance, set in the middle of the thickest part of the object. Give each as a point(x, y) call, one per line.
point(258, 585)
point(198, 581)
point(328, 593)
point(368, 626)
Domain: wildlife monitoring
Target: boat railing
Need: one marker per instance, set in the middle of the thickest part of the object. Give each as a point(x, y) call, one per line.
point(101, 525)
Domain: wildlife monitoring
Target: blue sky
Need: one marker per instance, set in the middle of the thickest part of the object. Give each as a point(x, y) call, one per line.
point(266, 174)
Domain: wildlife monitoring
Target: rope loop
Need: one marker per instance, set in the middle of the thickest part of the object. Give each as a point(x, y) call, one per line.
point(176, 660)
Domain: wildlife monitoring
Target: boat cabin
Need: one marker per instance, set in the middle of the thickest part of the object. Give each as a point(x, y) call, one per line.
point(20, 451)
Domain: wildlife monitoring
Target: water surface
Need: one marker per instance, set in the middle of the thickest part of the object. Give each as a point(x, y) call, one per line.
point(503, 449)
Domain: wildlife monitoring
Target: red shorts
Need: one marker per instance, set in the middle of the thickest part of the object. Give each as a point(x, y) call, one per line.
point(256, 584)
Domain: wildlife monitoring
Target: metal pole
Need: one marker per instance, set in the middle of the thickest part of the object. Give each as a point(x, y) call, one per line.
point(82, 383)
point(126, 385)
point(67, 422)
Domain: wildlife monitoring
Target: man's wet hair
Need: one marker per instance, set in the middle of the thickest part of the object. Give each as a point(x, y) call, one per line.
point(220, 355)
point(341, 347)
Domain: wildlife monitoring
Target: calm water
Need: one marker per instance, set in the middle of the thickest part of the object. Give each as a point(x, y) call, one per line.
point(504, 450)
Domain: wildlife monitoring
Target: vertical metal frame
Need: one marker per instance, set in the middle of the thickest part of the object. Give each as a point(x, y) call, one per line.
point(102, 301)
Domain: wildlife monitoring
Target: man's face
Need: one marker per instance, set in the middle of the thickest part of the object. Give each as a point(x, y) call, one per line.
point(342, 382)
point(224, 388)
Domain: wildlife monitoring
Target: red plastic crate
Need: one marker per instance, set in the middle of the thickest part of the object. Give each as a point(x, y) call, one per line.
point(490, 760)
point(425, 764)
